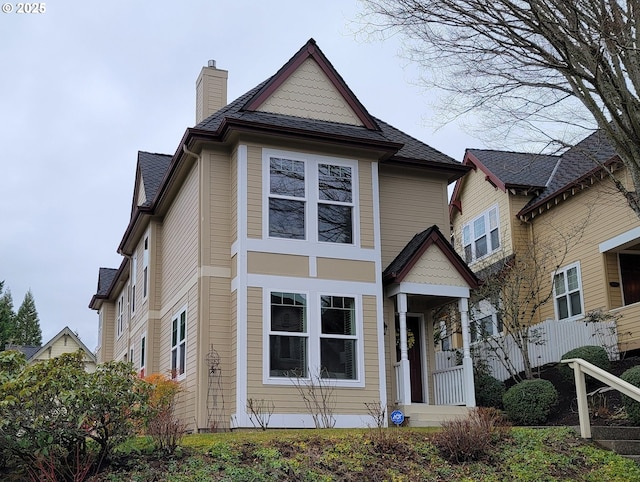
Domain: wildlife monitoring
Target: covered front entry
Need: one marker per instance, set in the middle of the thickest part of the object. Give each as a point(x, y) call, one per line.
point(425, 276)
point(415, 354)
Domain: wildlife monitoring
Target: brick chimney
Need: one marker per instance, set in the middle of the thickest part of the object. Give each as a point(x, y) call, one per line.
point(211, 91)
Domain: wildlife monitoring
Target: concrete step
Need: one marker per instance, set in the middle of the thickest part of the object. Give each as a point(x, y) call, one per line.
point(622, 440)
point(420, 415)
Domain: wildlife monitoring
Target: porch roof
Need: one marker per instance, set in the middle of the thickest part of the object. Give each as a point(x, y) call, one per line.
point(412, 253)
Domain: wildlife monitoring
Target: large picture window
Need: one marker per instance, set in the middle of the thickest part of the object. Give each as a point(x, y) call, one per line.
point(567, 291)
point(179, 344)
point(310, 199)
point(311, 336)
point(481, 236)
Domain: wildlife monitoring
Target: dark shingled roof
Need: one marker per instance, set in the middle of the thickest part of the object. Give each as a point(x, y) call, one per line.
point(28, 350)
point(407, 253)
point(517, 168)
point(153, 168)
point(105, 279)
point(410, 148)
point(576, 163)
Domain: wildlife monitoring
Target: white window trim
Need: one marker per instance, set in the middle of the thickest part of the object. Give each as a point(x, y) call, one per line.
point(311, 198)
point(580, 289)
point(314, 334)
point(484, 214)
point(145, 265)
point(134, 275)
point(120, 315)
point(143, 354)
point(176, 315)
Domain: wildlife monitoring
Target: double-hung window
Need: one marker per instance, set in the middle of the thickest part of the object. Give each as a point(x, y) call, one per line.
point(567, 291)
point(335, 204)
point(311, 198)
point(145, 268)
point(178, 344)
point(481, 236)
point(338, 337)
point(134, 275)
point(143, 355)
point(288, 335)
point(120, 315)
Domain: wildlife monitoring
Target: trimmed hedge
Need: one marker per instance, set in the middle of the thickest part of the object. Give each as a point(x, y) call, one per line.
point(489, 391)
point(632, 375)
point(530, 401)
point(596, 355)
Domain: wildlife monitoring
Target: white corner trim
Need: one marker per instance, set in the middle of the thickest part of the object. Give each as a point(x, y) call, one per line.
point(241, 286)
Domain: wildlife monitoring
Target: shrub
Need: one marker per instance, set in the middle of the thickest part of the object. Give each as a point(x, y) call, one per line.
point(596, 355)
point(632, 375)
point(471, 438)
point(489, 391)
point(61, 421)
point(530, 401)
point(165, 429)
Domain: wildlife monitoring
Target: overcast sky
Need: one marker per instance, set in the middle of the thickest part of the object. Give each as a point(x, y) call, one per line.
point(86, 84)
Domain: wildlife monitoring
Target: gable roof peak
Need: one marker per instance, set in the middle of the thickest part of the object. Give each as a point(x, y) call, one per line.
point(311, 50)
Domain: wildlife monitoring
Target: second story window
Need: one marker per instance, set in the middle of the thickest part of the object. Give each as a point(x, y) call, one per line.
point(310, 198)
point(134, 274)
point(120, 315)
point(287, 199)
point(481, 236)
point(145, 268)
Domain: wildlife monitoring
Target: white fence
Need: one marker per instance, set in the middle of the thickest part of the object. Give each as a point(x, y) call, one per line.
point(548, 341)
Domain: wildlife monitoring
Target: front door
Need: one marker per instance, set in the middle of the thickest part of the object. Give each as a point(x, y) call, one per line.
point(415, 358)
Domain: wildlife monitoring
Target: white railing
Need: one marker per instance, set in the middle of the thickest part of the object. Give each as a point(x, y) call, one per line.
point(582, 368)
point(548, 342)
point(449, 386)
point(399, 382)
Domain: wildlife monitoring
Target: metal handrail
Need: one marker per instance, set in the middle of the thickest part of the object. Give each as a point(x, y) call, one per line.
point(580, 369)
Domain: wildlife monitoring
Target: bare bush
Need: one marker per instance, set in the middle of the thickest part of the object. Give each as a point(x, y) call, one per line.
point(472, 438)
point(260, 412)
point(317, 393)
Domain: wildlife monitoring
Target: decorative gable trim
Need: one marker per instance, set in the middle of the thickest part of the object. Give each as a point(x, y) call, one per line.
point(411, 254)
point(311, 50)
point(66, 331)
point(470, 159)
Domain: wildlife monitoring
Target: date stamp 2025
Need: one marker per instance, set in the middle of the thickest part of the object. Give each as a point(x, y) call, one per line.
point(24, 8)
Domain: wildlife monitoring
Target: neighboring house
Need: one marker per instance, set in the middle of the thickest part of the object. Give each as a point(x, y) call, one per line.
point(66, 341)
point(280, 246)
point(512, 201)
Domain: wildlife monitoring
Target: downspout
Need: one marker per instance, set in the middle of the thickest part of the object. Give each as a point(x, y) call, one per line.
point(203, 341)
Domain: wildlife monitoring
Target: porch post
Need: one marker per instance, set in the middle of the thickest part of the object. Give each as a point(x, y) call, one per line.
point(467, 363)
point(404, 351)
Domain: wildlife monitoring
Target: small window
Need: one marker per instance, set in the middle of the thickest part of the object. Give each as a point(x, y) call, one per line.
point(567, 291)
point(120, 316)
point(335, 223)
point(178, 345)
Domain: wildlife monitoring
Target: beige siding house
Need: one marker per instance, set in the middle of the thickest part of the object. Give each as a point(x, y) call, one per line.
point(291, 241)
point(515, 204)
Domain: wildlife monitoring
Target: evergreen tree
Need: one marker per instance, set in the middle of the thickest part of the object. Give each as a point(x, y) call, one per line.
point(27, 323)
point(7, 317)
